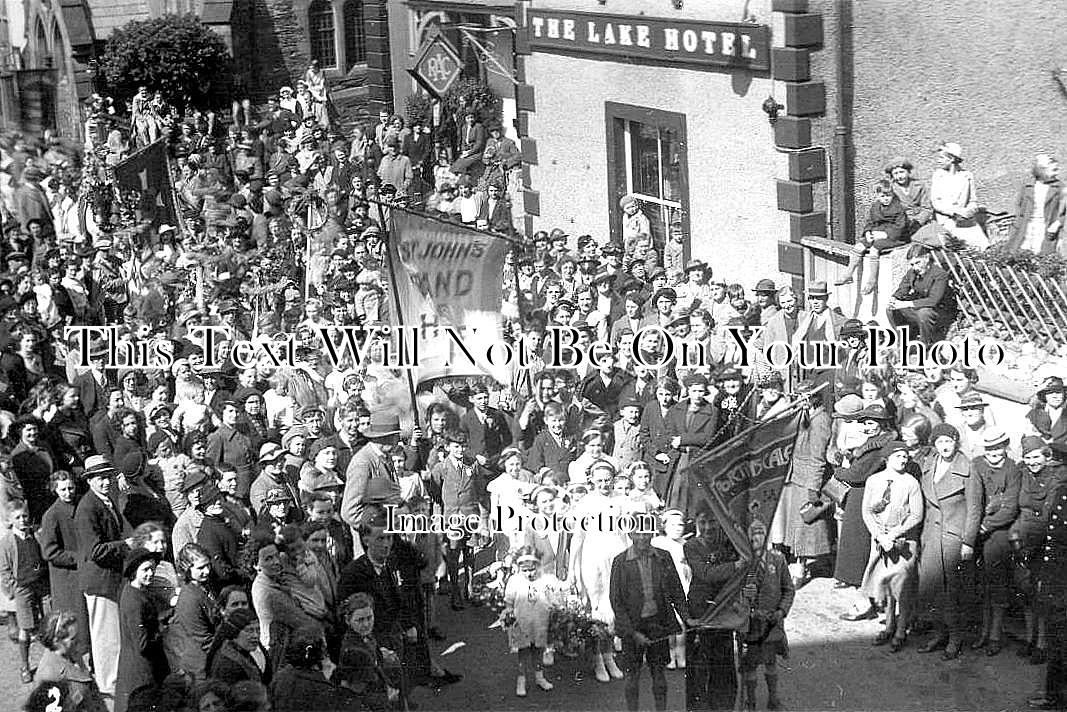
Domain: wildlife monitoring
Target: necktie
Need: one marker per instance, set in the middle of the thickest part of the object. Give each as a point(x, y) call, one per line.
point(880, 505)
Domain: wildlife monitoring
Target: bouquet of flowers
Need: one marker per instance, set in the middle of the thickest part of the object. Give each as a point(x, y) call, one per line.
point(571, 626)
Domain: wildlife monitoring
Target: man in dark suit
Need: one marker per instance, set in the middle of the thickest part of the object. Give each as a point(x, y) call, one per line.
point(104, 540)
point(655, 435)
point(487, 428)
point(605, 387)
point(493, 210)
point(646, 596)
point(374, 574)
point(234, 448)
point(711, 665)
point(924, 300)
point(93, 385)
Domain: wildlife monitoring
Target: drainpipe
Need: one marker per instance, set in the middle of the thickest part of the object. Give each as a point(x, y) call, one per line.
point(844, 214)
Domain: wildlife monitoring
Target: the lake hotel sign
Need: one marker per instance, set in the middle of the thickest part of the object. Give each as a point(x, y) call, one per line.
point(638, 38)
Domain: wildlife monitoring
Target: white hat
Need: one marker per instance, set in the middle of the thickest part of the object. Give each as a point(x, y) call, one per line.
point(953, 149)
point(166, 228)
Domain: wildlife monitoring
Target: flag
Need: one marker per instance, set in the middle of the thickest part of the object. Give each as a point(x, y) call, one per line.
point(147, 171)
point(742, 481)
point(448, 275)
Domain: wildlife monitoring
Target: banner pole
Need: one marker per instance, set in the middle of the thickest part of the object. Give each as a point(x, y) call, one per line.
point(307, 257)
point(391, 250)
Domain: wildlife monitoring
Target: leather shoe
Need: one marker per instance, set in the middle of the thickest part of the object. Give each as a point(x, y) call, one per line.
point(980, 643)
point(884, 637)
point(897, 645)
point(952, 651)
point(933, 645)
point(865, 616)
point(993, 649)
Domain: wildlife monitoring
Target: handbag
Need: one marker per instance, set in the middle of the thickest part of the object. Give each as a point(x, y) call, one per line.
point(835, 490)
point(811, 512)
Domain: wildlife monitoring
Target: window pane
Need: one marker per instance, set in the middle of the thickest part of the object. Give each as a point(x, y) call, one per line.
point(320, 24)
point(355, 41)
point(671, 168)
point(644, 149)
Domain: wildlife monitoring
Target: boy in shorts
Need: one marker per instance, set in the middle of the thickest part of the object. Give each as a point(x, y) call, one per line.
point(23, 577)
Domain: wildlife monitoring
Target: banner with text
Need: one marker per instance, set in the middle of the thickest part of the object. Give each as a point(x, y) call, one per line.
point(147, 171)
point(448, 280)
point(742, 481)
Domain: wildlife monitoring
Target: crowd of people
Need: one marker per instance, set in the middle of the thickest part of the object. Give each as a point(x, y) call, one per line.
point(208, 537)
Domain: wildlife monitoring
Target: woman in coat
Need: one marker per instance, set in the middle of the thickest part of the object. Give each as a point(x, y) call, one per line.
point(807, 542)
point(238, 654)
point(892, 512)
point(58, 537)
point(854, 541)
point(1000, 479)
point(1027, 537)
point(302, 685)
point(192, 629)
point(950, 530)
point(142, 660)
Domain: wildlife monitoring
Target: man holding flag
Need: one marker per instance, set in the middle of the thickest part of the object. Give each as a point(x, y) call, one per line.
point(735, 489)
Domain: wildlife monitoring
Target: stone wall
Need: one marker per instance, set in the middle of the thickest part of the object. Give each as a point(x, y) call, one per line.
point(278, 43)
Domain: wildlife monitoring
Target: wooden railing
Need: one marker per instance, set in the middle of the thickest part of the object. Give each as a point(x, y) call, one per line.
point(1006, 302)
point(1003, 302)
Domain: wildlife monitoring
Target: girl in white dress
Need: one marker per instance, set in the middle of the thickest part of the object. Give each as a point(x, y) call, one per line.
point(592, 552)
point(529, 599)
point(672, 540)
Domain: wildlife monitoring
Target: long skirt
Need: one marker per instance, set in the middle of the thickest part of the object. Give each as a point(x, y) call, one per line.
point(889, 574)
point(854, 544)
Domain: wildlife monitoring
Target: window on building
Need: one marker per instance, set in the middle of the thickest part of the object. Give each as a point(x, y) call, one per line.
point(647, 157)
point(59, 57)
point(321, 30)
point(355, 38)
point(42, 59)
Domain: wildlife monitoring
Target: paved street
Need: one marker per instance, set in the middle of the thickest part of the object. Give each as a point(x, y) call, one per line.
point(832, 667)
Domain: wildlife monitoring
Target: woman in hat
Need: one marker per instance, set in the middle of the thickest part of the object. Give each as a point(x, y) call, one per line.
point(953, 198)
point(961, 383)
point(1048, 418)
point(142, 660)
point(1027, 537)
point(854, 541)
point(806, 541)
point(892, 512)
point(1001, 480)
point(237, 653)
point(950, 531)
point(322, 473)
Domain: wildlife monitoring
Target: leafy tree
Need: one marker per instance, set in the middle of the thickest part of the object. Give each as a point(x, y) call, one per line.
point(173, 54)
